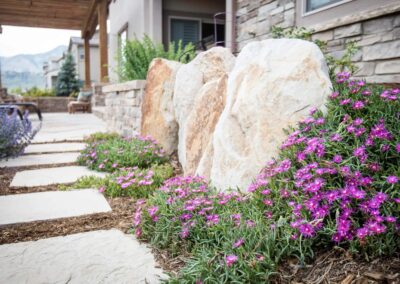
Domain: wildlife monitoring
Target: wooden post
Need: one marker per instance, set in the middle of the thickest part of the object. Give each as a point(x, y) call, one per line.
point(87, 63)
point(102, 14)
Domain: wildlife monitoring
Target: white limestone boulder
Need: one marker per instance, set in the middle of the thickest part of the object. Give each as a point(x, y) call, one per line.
point(158, 117)
point(206, 67)
point(273, 85)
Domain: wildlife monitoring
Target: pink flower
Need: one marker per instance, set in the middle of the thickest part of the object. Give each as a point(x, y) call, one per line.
point(101, 166)
point(358, 105)
point(392, 179)
point(231, 259)
point(102, 189)
point(238, 243)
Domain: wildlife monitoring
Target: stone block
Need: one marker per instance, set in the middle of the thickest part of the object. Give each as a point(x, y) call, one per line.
point(265, 10)
point(324, 36)
point(377, 26)
point(380, 79)
point(365, 68)
point(388, 67)
point(383, 50)
point(276, 11)
point(289, 6)
point(346, 31)
point(276, 19)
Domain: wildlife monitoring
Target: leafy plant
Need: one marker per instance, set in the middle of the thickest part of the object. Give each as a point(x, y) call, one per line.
point(15, 134)
point(335, 65)
point(134, 182)
point(115, 153)
point(67, 81)
point(135, 56)
point(99, 136)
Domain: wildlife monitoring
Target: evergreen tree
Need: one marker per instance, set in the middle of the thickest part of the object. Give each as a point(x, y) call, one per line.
point(67, 81)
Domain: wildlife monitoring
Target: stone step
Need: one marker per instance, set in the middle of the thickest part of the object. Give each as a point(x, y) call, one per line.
point(106, 256)
point(41, 159)
point(41, 177)
point(54, 148)
point(21, 208)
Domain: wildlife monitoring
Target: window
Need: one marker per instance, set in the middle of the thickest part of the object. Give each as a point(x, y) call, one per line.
point(312, 5)
point(186, 30)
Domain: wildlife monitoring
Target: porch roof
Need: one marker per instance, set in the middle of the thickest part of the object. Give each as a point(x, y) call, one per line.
point(56, 14)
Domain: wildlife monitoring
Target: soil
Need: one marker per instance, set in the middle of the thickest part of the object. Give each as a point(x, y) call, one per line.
point(120, 218)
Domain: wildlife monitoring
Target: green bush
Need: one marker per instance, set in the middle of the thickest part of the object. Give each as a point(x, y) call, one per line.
point(99, 136)
point(35, 92)
point(115, 153)
point(133, 182)
point(135, 57)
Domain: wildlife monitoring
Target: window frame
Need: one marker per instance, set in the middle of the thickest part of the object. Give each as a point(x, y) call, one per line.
point(170, 18)
point(123, 29)
point(306, 13)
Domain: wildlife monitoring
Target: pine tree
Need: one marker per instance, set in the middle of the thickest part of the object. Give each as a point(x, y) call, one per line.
point(66, 80)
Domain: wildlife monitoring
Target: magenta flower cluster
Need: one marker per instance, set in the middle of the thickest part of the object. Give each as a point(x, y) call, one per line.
point(345, 175)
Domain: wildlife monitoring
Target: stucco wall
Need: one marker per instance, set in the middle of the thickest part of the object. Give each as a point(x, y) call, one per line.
point(375, 29)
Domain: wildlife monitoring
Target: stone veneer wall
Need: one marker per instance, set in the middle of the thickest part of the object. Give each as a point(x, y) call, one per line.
point(123, 107)
point(49, 104)
point(379, 38)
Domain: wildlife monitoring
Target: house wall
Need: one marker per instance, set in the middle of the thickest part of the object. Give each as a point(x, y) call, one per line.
point(140, 16)
point(375, 27)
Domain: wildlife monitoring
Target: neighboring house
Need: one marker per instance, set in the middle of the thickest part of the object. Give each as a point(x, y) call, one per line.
point(373, 25)
point(76, 48)
point(50, 70)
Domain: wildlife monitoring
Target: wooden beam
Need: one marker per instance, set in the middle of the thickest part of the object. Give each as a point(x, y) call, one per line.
point(90, 22)
point(87, 62)
point(102, 19)
point(40, 22)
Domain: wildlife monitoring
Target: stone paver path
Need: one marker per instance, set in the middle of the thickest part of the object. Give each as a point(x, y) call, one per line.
point(54, 148)
point(68, 127)
point(108, 256)
point(94, 257)
point(42, 159)
point(49, 176)
point(29, 207)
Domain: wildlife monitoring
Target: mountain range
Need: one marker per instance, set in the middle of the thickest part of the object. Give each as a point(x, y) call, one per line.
point(26, 70)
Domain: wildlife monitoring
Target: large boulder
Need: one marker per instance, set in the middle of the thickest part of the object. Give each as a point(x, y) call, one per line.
point(200, 124)
point(273, 85)
point(208, 66)
point(158, 117)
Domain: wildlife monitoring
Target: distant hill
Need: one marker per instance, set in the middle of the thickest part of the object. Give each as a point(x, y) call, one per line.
point(25, 70)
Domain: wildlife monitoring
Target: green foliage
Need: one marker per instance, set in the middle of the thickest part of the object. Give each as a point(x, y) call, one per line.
point(36, 92)
point(99, 136)
point(133, 182)
point(67, 81)
point(114, 153)
point(135, 57)
point(335, 65)
point(186, 216)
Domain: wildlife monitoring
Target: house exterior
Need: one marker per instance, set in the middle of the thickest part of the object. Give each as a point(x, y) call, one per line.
point(373, 25)
point(76, 48)
point(50, 71)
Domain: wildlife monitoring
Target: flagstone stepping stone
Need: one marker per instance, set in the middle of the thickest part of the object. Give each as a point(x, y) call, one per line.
point(21, 208)
point(41, 159)
point(49, 176)
point(106, 256)
point(54, 148)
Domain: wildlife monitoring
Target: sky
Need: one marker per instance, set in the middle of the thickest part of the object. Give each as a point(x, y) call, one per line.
point(17, 40)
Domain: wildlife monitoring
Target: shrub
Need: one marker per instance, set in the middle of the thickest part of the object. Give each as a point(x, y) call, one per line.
point(227, 234)
point(15, 134)
point(35, 92)
point(135, 57)
point(336, 178)
point(133, 182)
point(112, 154)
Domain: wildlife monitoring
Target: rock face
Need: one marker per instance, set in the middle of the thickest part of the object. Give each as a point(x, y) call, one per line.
point(158, 117)
point(273, 85)
point(201, 122)
point(190, 79)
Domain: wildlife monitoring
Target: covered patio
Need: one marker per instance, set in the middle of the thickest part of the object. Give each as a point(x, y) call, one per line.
point(83, 15)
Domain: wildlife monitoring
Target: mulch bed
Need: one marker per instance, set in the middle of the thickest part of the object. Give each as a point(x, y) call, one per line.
point(338, 266)
point(120, 218)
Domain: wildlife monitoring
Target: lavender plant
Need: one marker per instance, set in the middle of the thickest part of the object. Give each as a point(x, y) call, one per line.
point(15, 133)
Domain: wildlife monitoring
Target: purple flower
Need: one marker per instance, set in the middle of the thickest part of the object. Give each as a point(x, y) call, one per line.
point(358, 105)
point(238, 243)
point(212, 219)
point(306, 230)
point(392, 179)
point(231, 259)
point(337, 159)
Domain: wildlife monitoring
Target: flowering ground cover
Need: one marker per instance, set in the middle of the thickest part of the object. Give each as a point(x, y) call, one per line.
point(335, 183)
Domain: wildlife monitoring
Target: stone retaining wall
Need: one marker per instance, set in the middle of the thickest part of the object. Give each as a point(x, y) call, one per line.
point(123, 107)
point(50, 104)
point(378, 59)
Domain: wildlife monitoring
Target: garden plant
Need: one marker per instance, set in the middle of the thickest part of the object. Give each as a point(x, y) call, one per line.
point(335, 183)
